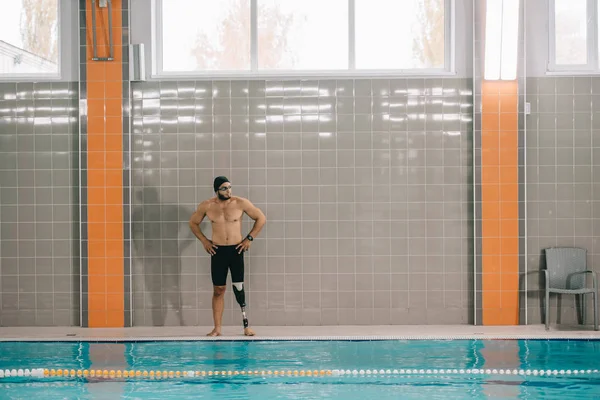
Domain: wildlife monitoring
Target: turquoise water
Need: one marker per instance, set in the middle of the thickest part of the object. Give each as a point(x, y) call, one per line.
point(533, 355)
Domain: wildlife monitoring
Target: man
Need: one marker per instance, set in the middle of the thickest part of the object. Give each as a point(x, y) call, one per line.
point(226, 246)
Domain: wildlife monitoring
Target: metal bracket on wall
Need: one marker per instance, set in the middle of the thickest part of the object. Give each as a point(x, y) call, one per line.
point(102, 4)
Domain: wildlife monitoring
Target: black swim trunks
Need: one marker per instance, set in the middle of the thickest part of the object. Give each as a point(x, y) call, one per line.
point(226, 258)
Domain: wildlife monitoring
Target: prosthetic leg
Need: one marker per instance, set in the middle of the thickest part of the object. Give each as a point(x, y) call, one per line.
point(240, 296)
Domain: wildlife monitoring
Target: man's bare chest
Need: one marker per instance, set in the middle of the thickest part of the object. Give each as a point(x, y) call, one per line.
point(224, 214)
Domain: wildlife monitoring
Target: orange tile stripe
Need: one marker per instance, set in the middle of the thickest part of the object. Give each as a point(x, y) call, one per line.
point(499, 203)
point(104, 172)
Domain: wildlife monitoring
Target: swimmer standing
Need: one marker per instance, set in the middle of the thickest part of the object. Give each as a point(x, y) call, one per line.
point(226, 245)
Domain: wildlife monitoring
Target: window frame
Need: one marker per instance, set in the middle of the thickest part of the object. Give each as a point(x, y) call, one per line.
point(593, 56)
point(36, 76)
point(157, 71)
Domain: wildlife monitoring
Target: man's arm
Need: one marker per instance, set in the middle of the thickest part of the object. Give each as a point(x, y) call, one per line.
point(196, 219)
point(256, 214)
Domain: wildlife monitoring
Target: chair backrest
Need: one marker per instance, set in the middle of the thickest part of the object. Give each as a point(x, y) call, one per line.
point(564, 261)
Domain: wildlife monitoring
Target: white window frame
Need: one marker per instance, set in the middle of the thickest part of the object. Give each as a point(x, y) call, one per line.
point(592, 66)
point(351, 71)
point(36, 76)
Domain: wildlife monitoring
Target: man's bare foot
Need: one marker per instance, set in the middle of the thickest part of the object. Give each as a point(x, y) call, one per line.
point(249, 332)
point(214, 332)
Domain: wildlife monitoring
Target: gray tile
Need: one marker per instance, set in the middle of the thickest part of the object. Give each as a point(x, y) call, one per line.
point(300, 172)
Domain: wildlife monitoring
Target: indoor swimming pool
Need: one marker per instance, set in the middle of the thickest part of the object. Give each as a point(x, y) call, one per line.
point(306, 369)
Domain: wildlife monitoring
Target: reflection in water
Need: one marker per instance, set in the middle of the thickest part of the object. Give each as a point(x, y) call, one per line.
point(302, 355)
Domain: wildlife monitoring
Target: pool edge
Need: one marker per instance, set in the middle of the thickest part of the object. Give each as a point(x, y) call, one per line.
point(290, 338)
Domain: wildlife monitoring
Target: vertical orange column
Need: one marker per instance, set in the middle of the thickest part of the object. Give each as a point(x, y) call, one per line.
point(499, 203)
point(105, 226)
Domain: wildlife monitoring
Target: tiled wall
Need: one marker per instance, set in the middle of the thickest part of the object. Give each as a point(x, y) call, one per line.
point(366, 185)
point(173, 146)
point(563, 208)
point(39, 256)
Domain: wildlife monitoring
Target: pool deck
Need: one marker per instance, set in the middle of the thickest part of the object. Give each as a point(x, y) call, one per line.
point(399, 332)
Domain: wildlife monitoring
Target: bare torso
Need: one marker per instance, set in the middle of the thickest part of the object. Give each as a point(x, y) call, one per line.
point(226, 220)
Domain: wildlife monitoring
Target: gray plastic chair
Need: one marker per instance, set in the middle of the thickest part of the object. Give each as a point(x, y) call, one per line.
point(565, 272)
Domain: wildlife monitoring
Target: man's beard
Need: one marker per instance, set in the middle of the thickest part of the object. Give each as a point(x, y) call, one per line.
point(221, 197)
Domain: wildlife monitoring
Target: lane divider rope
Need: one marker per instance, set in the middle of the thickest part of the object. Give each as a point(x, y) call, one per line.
point(161, 374)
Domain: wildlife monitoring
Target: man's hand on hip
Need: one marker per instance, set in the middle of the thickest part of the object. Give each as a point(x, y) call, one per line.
point(244, 246)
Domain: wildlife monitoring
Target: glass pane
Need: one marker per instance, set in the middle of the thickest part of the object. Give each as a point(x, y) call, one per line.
point(29, 37)
point(307, 34)
point(201, 35)
point(570, 31)
point(393, 34)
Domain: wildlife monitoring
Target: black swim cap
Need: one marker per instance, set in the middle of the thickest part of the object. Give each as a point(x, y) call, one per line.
point(219, 180)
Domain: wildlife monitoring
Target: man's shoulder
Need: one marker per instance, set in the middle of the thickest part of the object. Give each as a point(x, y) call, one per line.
point(206, 203)
point(239, 201)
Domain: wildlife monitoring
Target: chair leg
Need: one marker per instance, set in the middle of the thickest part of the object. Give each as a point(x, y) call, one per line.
point(547, 310)
point(595, 310)
point(582, 308)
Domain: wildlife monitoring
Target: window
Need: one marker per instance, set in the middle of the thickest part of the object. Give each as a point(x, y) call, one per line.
point(29, 43)
point(205, 35)
point(281, 37)
point(407, 34)
point(574, 36)
point(302, 35)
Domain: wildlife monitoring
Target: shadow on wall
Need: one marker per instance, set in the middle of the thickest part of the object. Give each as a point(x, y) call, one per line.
point(160, 234)
point(531, 283)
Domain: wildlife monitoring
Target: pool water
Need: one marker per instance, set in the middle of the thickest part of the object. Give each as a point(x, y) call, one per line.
point(387, 369)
